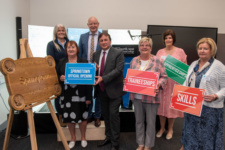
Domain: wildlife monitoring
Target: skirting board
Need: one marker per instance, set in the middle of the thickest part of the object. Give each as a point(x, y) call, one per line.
point(92, 133)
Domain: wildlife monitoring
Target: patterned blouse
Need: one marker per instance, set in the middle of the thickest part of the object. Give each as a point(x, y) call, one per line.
point(154, 65)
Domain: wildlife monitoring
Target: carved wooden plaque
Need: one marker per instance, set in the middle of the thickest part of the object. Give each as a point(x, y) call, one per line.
point(30, 80)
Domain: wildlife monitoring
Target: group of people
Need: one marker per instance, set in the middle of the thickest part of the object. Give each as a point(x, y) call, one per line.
point(204, 132)
point(75, 104)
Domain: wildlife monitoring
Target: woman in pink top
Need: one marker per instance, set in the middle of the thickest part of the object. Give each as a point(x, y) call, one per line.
point(169, 38)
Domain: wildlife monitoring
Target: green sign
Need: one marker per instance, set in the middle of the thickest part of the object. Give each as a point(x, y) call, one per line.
point(175, 69)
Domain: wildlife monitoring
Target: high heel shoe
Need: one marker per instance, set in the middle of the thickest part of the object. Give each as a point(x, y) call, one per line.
point(159, 134)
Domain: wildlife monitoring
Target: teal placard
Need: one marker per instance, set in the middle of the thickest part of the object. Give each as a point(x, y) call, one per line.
point(175, 69)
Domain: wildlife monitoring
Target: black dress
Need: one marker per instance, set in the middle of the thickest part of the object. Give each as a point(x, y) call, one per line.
point(73, 97)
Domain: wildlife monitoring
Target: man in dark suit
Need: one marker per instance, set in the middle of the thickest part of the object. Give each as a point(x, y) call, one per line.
point(109, 83)
point(88, 44)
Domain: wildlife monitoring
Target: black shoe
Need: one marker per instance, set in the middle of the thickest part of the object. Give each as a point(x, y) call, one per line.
point(97, 122)
point(104, 142)
point(115, 148)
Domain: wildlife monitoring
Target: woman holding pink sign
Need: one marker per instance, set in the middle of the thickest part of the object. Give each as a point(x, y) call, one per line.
point(164, 111)
point(147, 105)
point(206, 132)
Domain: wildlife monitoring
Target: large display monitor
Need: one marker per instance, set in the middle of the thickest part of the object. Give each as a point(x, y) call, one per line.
point(126, 40)
point(124, 36)
point(186, 38)
point(74, 33)
point(38, 38)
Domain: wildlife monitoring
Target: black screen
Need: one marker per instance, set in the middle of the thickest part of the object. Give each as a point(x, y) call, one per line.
point(186, 38)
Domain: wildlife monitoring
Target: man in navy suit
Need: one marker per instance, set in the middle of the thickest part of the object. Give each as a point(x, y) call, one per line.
point(109, 85)
point(88, 44)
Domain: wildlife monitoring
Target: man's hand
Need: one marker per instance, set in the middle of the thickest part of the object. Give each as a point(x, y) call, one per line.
point(98, 79)
point(97, 66)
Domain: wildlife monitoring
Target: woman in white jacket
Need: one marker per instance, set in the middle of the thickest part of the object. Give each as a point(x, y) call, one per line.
point(206, 132)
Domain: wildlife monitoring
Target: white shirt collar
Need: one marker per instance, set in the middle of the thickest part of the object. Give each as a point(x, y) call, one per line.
point(106, 51)
point(96, 33)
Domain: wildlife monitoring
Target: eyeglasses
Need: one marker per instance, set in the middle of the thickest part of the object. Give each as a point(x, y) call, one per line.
point(142, 45)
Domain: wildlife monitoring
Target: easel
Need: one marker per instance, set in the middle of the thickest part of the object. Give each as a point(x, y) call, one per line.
point(18, 102)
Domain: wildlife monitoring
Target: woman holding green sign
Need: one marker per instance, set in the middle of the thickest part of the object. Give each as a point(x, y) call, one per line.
point(164, 111)
point(206, 132)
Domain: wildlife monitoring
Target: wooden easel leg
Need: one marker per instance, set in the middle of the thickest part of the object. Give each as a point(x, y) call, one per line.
point(8, 129)
point(59, 129)
point(32, 129)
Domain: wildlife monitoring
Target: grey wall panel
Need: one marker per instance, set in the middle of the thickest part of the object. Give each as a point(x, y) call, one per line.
point(221, 48)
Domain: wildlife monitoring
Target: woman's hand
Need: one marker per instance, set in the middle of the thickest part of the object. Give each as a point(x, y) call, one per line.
point(88, 102)
point(157, 89)
point(210, 98)
point(62, 78)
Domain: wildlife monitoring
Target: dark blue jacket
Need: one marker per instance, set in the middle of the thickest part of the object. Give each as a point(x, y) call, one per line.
point(57, 55)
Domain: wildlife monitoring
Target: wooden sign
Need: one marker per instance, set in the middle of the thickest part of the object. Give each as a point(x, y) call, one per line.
point(141, 82)
point(30, 81)
point(187, 99)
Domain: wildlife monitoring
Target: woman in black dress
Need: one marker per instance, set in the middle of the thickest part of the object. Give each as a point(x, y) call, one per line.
point(74, 98)
point(56, 48)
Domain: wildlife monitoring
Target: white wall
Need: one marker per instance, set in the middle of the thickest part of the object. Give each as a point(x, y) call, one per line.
point(132, 14)
point(10, 9)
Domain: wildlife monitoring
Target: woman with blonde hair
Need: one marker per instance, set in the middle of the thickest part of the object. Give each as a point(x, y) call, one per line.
point(56, 48)
point(206, 132)
point(145, 107)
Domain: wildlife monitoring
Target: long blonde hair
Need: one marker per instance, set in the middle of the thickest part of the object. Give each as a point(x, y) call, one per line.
point(55, 35)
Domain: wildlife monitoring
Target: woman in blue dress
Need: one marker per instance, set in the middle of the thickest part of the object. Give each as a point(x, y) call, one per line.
point(206, 132)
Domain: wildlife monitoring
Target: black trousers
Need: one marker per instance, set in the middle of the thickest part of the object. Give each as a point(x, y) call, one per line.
point(110, 112)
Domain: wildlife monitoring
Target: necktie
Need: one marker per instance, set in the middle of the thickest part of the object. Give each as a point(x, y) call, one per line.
point(101, 72)
point(92, 47)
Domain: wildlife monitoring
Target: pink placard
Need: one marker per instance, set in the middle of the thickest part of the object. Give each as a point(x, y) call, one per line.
point(187, 99)
point(141, 82)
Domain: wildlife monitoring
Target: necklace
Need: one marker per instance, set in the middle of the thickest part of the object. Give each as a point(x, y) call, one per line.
point(139, 63)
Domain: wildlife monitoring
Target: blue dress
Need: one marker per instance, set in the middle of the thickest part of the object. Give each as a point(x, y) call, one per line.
point(205, 132)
